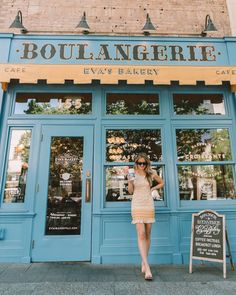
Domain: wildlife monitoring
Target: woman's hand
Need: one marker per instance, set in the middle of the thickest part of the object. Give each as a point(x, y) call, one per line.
point(130, 178)
point(130, 185)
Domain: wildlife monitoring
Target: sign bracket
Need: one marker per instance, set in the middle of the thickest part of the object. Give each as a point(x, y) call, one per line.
point(229, 255)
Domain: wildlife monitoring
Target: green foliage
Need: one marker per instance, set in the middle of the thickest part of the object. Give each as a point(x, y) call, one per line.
point(121, 107)
point(221, 140)
point(213, 144)
point(25, 141)
point(189, 108)
point(117, 108)
point(47, 109)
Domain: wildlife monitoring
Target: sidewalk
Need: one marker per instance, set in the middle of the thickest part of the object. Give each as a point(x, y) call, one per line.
point(85, 278)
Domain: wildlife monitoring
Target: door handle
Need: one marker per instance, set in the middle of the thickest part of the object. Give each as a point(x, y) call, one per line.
point(88, 188)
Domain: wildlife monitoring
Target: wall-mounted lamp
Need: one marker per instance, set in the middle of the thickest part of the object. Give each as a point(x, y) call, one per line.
point(148, 27)
point(83, 25)
point(18, 23)
point(209, 26)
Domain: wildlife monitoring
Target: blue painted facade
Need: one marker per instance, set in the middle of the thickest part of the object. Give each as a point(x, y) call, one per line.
point(112, 237)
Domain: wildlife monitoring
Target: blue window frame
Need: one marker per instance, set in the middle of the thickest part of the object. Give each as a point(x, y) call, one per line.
point(205, 161)
point(117, 102)
point(18, 167)
point(119, 149)
point(39, 102)
point(51, 103)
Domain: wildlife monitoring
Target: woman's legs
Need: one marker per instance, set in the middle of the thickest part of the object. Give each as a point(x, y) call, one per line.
point(148, 229)
point(143, 234)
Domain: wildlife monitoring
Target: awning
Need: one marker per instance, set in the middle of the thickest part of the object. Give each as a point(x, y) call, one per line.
point(112, 74)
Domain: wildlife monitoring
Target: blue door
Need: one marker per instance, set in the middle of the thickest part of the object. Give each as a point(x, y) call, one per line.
point(62, 225)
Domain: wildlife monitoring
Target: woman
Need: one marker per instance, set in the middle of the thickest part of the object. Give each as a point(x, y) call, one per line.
point(142, 206)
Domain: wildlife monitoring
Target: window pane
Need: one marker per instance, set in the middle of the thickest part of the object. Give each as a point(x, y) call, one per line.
point(117, 184)
point(208, 182)
point(203, 145)
point(65, 186)
point(53, 103)
point(132, 104)
point(17, 167)
point(124, 145)
point(199, 104)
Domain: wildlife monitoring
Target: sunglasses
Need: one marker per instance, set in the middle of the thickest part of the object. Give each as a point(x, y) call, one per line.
point(141, 163)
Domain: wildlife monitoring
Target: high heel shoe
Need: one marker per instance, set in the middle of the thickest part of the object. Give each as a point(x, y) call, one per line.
point(148, 274)
point(148, 277)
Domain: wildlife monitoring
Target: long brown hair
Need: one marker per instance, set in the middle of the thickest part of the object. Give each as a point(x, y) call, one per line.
point(148, 170)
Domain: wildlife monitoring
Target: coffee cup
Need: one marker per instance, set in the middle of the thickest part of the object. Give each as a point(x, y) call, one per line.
point(65, 176)
point(131, 174)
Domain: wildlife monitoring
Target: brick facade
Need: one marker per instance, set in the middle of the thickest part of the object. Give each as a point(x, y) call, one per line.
point(173, 17)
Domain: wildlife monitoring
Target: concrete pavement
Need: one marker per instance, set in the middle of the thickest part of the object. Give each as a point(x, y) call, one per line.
point(88, 279)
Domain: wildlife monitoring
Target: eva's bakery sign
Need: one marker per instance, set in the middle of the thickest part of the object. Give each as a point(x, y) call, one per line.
point(115, 52)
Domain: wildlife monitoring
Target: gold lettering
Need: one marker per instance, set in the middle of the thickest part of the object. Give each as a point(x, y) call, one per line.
point(14, 70)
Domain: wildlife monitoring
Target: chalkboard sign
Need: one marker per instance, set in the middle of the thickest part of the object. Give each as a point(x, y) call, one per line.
point(208, 238)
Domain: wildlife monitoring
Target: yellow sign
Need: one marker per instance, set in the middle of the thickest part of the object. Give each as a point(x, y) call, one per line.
point(111, 74)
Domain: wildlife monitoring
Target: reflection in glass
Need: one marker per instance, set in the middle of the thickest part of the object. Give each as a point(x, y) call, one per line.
point(117, 184)
point(17, 167)
point(65, 186)
point(125, 144)
point(203, 145)
point(198, 104)
point(208, 182)
point(53, 103)
point(132, 104)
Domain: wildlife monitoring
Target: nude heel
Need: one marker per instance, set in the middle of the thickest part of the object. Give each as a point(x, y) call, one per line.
point(142, 268)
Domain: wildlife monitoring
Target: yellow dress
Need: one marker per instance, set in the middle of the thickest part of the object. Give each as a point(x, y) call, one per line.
point(142, 204)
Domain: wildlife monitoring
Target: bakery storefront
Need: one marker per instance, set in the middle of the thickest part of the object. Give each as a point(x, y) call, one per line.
point(75, 110)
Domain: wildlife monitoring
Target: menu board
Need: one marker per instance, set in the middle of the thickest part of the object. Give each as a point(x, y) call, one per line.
point(208, 241)
point(208, 238)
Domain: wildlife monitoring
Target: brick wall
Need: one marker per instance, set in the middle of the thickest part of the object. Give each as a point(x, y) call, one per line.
point(173, 17)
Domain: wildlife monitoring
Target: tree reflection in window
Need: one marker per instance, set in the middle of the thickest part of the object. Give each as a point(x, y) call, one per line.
point(198, 104)
point(203, 145)
point(125, 144)
point(132, 104)
point(53, 103)
point(206, 182)
point(17, 169)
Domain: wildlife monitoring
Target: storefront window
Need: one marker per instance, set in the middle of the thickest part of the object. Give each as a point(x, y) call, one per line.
point(198, 104)
point(53, 103)
point(203, 145)
point(17, 166)
point(123, 145)
point(206, 182)
point(65, 186)
point(117, 184)
point(132, 104)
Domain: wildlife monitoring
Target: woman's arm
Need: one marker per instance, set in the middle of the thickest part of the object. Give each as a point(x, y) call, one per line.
point(159, 180)
point(130, 186)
